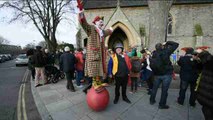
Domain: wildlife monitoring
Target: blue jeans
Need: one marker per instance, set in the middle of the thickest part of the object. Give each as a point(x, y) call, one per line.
point(79, 77)
point(166, 80)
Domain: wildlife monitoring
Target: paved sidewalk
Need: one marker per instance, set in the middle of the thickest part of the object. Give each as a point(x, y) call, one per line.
point(55, 102)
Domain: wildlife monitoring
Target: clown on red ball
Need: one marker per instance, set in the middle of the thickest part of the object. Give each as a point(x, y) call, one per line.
point(95, 64)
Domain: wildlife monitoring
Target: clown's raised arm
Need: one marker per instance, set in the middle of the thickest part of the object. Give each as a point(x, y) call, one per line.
point(98, 22)
point(82, 19)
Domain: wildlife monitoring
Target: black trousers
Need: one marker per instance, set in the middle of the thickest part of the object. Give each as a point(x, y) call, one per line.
point(33, 73)
point(134, 83)
point(183, 87)
point(120, 82)
point(208, 112)
point(70, 77)
point(150, 82)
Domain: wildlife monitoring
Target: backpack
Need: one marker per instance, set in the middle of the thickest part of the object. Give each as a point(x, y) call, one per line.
point(136, 66)
point(157, 64)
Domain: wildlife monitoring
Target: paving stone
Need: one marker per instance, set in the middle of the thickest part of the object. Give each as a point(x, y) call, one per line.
point(195, 113)
point(43, 88)
point(57, 86)
point(173, 114)
point(52, 99)
point(161, 118)
point(49, 93)
point(86, 118)
point(103, 115)
point(59, 106)
point(67, 114)
point(66, 93)
point(81, 110)
point(133, 114)
point(66, 105)
point(78, 98)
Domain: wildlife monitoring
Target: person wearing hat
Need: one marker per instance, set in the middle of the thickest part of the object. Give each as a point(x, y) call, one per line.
point(119, 66)
point(188, 76)
point(39, 62)
point(67, 63)
point(95, 64)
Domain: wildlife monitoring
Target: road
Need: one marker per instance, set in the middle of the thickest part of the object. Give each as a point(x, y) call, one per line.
point(16, 101)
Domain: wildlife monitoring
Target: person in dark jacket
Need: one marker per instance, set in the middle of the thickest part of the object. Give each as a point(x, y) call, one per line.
point(119, 65)
point(67, 65)
point(165, 74)
point(205, 86)
point(188, 75)
point(49, 57)
point(147, 74)
point(135, 75)
point(39, 61)
point(30, 54)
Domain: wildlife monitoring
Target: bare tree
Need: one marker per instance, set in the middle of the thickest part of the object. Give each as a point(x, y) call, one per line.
point(45, 15)
point(29, 46)
point(159, 11)
point(43, 44)
point(3, 40)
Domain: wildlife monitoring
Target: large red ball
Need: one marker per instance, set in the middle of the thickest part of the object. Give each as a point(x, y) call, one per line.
point(97, 101)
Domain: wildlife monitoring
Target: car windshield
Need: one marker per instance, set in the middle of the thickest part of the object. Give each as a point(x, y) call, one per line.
point(22, 56)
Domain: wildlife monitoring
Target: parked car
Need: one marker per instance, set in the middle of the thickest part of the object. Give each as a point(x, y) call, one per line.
point(21, 59)
point(3, 58)
point(8, 56)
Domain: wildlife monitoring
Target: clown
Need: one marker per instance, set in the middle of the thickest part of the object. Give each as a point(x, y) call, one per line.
point(95, 64)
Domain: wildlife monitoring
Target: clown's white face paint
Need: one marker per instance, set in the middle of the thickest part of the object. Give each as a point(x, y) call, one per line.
point(100, 24)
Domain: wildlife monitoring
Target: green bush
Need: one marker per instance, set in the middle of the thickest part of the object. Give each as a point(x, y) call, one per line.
point(142, 30)
point(198, 30)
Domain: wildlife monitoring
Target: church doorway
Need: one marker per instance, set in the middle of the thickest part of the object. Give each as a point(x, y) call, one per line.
point(118, 36)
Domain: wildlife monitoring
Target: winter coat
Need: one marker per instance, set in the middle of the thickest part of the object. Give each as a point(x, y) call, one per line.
point(113, 64)
point(50, 58)
point(39, 59)
point(67, 62)
point(205, 88)
point(132, 74)
point(165, 53)
point(30, 62)
point(80, 62)
point(95, 64)
point(188, 68)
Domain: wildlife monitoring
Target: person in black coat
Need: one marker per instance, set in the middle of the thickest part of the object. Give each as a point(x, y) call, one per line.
point(205, 86)
point(164, 73)
point(30, 54)
point(67, 65)
point(39, 62)
point(188, 75)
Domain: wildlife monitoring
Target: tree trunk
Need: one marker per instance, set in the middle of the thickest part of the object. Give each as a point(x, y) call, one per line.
point(159, 11)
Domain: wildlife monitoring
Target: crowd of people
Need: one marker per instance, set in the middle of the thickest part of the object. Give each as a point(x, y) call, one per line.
point(154, 68)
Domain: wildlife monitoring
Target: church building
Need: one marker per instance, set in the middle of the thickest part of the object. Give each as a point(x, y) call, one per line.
point(190, 22)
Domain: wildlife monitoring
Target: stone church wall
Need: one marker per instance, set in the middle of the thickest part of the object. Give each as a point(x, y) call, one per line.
point(184, 19)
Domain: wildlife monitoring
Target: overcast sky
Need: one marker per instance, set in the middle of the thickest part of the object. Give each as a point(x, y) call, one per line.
point(19, 33)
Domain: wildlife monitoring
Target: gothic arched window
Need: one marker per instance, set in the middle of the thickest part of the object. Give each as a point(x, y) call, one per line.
point(169, 25)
